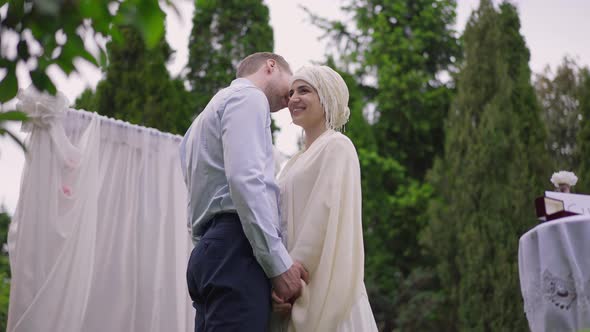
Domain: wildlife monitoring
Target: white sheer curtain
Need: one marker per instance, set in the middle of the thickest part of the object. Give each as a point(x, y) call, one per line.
point(99, 240)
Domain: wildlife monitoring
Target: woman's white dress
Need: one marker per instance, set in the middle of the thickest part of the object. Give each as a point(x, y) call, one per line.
point(321, 217)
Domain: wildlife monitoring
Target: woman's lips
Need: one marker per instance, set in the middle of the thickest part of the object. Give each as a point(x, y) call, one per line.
point(297, 110)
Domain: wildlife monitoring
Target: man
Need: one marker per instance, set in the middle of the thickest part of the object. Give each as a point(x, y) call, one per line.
point(228, 167)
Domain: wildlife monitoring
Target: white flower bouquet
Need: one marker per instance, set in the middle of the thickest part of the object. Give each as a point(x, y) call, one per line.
point(564, 178)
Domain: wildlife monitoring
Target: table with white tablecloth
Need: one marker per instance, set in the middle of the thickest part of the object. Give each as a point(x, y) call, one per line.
point(554, 269)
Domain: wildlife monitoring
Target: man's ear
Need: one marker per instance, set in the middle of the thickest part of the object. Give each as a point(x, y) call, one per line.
point(270, 65)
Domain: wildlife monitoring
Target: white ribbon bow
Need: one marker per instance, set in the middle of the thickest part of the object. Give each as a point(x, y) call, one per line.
point(41, 108)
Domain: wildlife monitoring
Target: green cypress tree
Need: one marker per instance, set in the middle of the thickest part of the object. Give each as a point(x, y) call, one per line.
point(224, 32)
point(494, 164)
point(138, 88)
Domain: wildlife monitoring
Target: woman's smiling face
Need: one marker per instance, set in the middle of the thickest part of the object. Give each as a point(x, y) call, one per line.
point(304, 105)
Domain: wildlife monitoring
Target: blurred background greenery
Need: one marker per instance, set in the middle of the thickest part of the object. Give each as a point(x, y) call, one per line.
point(455, 135)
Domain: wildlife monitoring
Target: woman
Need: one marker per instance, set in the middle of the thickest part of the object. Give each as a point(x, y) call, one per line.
point(321, 211)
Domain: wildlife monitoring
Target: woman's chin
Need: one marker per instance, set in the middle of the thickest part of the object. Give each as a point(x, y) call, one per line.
point(296, 121)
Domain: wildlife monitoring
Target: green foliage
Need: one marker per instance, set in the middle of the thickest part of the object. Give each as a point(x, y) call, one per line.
point(4, 299)
point(11, 116)
point(138, 88)
point(55, 32)
point(583, 142)
point(224, 32)
point(494, 160)
point(86, 101)
point(558, 94)
point(405, 46)
point(378, 174)
point(412, 43)
point(4, 271)
point(401, 46)
point(51, 32)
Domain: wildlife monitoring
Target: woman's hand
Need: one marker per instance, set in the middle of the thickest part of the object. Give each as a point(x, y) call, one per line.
point(280, 306)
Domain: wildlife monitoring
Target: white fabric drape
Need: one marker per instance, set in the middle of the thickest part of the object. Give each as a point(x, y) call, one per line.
point(98, 241)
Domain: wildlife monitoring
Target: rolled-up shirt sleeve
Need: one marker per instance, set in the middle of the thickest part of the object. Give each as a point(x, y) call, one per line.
point(246, 150)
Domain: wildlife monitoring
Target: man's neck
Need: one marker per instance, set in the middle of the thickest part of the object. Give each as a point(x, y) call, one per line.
point(258, 81)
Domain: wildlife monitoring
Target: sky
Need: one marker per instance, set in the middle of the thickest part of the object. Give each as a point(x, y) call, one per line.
point(552, 30)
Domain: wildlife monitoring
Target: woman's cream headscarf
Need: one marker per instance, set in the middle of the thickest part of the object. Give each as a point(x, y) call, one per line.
point(332, 90)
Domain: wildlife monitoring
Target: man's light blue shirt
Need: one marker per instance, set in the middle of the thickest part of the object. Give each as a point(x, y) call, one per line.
point(228, 166)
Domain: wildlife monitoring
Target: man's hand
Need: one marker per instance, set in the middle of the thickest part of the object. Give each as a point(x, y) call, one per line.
point(287, 286)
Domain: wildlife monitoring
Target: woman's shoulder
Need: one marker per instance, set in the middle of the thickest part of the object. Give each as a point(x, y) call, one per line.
point(338, 139)
point(340, 144)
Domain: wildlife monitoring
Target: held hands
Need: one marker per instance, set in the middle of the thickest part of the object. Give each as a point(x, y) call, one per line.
point(279, 306)
point(287, 287)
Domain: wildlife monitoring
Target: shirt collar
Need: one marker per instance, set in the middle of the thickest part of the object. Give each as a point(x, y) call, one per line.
point(243, 81)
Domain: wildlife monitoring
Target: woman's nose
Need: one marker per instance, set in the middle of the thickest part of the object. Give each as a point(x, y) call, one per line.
point(290, 101)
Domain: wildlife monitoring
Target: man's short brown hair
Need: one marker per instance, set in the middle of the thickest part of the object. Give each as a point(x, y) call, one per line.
point(253, 62)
